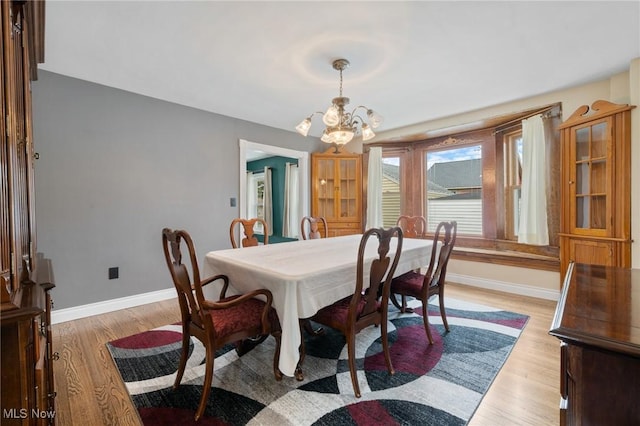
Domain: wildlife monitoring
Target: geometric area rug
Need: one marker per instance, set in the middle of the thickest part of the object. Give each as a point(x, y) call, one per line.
point(439, 384)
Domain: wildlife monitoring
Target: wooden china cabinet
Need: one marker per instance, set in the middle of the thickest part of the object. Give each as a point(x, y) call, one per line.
point(27, 391)
point(595, 223)
point(336, 184)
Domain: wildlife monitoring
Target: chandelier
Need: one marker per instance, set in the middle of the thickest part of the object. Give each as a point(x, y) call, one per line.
point(341, 126)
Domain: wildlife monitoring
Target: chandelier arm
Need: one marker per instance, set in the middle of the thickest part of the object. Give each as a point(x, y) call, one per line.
point(346, 117)
point(361, 106)
point(353, 113)
point(355, 120)
point(314, 113)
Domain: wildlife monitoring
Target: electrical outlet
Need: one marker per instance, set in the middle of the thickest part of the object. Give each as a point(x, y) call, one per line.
point(113, 273)
point(232, 202)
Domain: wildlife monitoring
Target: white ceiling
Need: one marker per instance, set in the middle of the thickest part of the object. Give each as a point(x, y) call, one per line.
point(270, 62)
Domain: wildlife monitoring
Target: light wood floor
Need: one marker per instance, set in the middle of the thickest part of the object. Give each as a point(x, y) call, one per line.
point(90, 391)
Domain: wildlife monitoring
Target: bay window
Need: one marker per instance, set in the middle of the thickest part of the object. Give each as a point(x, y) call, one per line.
point(472, 174)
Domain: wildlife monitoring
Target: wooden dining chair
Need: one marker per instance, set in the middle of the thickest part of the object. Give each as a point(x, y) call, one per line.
point(412, 226)
point(215, 323)
point(432, 282)
point(363, 309)
point(247, 232)
point(312, 223)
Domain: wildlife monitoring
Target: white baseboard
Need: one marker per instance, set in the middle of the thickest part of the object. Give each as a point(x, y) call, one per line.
point(69, 314)
point(507, 287)
point(77, 312)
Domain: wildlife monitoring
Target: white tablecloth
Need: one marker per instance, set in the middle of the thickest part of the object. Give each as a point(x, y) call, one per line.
point(304, 276)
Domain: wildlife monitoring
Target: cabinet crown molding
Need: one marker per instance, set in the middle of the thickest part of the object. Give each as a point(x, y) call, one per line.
point(598, 108)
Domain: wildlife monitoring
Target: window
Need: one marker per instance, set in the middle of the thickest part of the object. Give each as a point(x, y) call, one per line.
point(391, 193)
point(454, 188)
point(472, 173)
point(255, 196)
point(512, 182)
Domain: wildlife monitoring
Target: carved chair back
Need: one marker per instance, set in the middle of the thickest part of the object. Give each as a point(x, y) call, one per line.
point(312, 223)
point(247, 232)
point(412, 226)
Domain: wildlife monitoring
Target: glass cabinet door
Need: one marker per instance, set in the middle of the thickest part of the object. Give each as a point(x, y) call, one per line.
point(326, 188)
point(591, 163)
point(348, 189)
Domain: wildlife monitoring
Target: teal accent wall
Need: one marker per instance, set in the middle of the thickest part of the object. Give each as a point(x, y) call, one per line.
point(277, 165)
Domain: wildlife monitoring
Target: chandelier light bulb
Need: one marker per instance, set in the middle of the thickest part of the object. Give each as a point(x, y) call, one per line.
point(367, 133)
point(374, 118)
point(332, 116)
point(304, 126)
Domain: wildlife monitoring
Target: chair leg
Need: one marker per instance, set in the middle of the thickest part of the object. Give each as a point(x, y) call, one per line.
point(425, 319)
point(443, 313)
point(276, 356)
point(351, 352)
point(247, 345)
point(186, 338)
point(395, 301)
point(385, 346)
point(309, 328)
point(208, 378)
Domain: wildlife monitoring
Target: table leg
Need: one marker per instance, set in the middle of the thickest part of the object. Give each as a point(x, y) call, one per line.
point(298, 373)
point(305, 324)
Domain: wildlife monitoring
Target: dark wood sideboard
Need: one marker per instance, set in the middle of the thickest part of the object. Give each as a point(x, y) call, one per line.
point(598, 323)
point(28, 391)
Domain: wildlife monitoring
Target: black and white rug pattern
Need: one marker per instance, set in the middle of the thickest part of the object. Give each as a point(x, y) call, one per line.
point(439, 384)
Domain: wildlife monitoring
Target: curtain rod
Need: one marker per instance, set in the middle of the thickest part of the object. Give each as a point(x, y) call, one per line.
point(546, 113)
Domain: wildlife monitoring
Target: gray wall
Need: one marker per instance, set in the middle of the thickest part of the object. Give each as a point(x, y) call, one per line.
point(115, 168)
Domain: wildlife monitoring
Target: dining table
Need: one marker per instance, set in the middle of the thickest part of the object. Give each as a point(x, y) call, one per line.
point(303, 276)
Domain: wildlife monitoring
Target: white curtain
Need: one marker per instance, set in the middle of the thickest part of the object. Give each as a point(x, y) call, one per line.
point(374, 189)
point(291, 216)
point(533, 204)
point(267, 202)
point(252, 200)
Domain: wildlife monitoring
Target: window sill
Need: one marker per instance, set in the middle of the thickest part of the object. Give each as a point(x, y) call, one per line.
point(508, 258)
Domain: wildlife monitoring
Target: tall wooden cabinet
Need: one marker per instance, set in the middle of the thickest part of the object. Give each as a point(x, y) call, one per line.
point(28, 395)
point(336, 184)
point(595, 225)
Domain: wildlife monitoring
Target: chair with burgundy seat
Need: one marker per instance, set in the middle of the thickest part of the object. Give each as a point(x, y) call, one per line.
point(412, 226)
point(363, 309)
point(423, 287)
point(247, 231)
point(215, 323)
point(314, 229)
